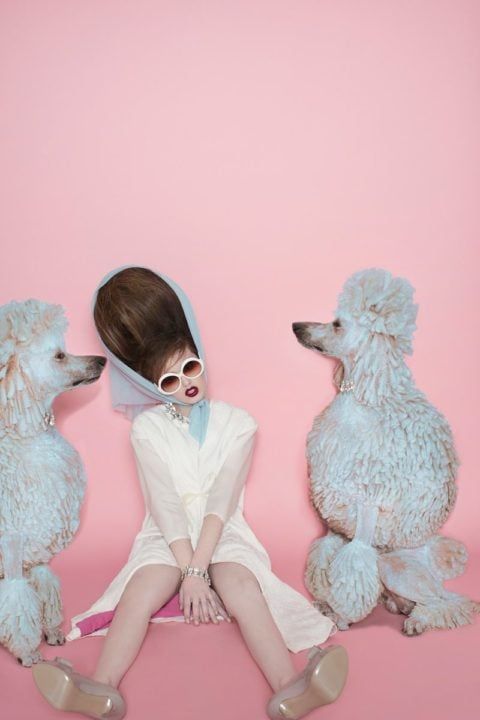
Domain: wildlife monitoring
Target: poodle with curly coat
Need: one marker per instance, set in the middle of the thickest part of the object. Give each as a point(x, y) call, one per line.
point(382, 468)
point(42, 478)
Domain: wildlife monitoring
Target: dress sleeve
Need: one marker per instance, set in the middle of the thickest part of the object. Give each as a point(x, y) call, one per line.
point(226, 489)
point(161, 496)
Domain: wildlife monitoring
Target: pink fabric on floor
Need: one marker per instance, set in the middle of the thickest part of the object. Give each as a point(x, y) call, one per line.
point(171, 609)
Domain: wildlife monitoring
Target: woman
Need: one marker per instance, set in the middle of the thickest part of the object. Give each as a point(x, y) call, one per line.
point(192, 456)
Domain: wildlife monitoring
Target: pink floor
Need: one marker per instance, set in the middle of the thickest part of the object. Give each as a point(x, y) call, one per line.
point(435, 676)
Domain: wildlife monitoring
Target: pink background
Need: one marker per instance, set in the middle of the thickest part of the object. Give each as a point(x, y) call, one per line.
point(258, 153)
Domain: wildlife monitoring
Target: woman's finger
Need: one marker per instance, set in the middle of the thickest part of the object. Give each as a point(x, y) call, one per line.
point(212, 609)
point(196, 616)
point(205, 610)
point(221, 611)
point(187, 607)
point(221, 608)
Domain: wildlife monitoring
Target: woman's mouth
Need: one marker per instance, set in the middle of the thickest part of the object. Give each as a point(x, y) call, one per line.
point(192, 391)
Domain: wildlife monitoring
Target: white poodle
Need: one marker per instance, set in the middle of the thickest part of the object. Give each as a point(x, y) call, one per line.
point(382, 468)
point(42, 478)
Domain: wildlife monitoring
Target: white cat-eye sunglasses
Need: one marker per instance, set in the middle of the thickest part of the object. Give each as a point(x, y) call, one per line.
point(170, 382)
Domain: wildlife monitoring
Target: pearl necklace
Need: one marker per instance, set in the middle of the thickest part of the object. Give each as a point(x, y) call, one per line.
point(347, 386)
point(48, 419)
point(175, 414)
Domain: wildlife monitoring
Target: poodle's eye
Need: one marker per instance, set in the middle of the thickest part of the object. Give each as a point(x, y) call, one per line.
point(60, 355)
point(337, 324)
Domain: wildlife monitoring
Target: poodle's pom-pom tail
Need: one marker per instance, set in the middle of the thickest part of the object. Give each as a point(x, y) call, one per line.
point(47, 586)
point(20, 617)
point(320, 555)
point(381, 303)
point(354, 581)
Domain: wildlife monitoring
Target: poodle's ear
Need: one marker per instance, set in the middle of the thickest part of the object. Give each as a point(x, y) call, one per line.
point(338, 374)
point(21, 323)
point(7, 361)
point(19, 410)
point(383, 304)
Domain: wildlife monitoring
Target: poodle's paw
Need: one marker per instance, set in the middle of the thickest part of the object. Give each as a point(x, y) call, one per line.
point(396, 604)
point(390, 605)
point(322, 606)
point(30, 659)
point(325, 609)
point(54, 636)
point(413, 627)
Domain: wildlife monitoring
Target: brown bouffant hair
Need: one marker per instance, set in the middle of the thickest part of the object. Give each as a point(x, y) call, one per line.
point(141, 320)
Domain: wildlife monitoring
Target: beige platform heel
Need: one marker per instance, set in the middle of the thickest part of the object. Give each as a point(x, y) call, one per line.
point(67, 690)
point(320, 683)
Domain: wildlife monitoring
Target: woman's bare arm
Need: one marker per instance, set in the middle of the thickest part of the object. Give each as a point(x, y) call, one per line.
point(224, 493)
point(183, 551)
point(209, 535)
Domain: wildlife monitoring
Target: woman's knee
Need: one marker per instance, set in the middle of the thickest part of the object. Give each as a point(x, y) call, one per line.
point(234, 583)
point(149, 585)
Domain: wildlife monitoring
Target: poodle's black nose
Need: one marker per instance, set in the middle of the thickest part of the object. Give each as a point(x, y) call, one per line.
point(100, 360)
point(298, 327)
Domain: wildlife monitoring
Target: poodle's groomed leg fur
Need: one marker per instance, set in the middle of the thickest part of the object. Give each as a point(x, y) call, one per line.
point(448, 612)
point(47, 586)
point(355, 586)
point(20, 608)
point(448, 556)
point(411, 575)
point(321, 553)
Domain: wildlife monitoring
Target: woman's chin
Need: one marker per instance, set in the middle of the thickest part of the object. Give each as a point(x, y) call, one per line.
point(197, 398)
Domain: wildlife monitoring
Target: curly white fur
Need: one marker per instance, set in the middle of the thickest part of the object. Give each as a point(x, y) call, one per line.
point(380, 444)
point(42, 479)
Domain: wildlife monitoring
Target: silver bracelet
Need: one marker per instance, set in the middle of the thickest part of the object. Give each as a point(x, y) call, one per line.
point(200, 572)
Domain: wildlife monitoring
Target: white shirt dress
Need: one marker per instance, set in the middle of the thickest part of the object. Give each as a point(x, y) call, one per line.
point(181, 483)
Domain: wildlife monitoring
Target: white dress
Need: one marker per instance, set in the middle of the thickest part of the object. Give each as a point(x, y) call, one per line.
point(181, 483)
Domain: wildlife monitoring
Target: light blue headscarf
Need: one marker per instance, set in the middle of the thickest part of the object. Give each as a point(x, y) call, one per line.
point(131, 392)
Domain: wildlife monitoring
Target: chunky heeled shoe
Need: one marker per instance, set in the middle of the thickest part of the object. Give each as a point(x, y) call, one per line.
point(320, 683)
point(67, 690)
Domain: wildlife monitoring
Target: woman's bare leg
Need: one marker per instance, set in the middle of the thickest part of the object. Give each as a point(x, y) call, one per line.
point(243, 598)
point(147, 590)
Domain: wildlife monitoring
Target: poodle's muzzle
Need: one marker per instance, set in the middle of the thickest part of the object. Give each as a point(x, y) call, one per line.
point(309, 334)
point(91, 367)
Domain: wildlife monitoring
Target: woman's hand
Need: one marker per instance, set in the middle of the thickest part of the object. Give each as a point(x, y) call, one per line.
point(220, 607)
point(200, 602)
